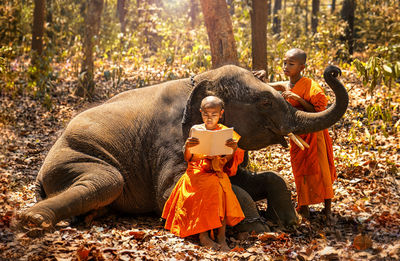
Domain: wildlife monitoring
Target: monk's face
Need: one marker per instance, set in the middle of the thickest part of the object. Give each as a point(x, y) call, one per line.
point(211, 116)
point(292, 66)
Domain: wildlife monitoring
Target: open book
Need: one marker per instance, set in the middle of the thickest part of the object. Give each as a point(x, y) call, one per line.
point(212, 143)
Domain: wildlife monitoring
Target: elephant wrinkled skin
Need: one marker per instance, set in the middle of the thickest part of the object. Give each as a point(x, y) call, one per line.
point(127, 152)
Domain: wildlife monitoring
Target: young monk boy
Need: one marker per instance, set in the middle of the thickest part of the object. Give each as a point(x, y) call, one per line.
point(313, 168)
point(203, 199)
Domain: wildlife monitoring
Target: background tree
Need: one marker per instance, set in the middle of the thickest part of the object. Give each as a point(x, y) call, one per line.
point(121, 13)
point(276, 27)
point(347, 14)
point(259, 18)
point(306, 17)
point(333, 6)
point(93, 10)
point(38, 26)
point(194, 12)
point(314, 15)
point(220, 32)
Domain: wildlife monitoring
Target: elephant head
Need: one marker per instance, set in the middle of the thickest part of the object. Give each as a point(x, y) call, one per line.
point(256, 110)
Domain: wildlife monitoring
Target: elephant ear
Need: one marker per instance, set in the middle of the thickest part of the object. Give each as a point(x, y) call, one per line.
point(191, 114)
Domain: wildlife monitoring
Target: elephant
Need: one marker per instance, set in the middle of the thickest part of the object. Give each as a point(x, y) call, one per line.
point(126, 154)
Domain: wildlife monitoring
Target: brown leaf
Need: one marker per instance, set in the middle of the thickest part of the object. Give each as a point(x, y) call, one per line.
point(82, 253)
point(362, 242)
point(139, 235)
point(237, 249)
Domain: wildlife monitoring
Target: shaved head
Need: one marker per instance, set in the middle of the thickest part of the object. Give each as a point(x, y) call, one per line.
point(211, 102)
point(297, 54)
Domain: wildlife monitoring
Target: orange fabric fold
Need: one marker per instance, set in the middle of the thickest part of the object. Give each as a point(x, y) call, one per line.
point(201, 199)
point(313, 169)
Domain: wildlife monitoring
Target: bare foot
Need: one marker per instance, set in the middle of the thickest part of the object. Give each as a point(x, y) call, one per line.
point(206, 241)
point(224, 247)
point(221, 240)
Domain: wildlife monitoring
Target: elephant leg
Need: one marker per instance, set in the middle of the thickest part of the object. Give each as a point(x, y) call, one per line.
point(252, 221)
point(268, 185)
point(97, 187)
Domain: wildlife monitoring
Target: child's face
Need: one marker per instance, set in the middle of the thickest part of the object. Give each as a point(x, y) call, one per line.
point(211, 116)
point(292, 67)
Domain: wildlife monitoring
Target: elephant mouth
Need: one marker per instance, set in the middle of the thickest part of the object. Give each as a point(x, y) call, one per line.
point(283, 141)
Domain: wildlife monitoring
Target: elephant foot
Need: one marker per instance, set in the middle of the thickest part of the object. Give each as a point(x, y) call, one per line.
point(256, 225)
point(36, 223)
point(288, 218)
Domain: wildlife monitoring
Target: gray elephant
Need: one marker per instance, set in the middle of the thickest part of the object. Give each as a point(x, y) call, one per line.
point(126, 154)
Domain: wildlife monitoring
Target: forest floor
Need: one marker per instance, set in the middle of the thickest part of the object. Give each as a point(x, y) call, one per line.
point(366, 207)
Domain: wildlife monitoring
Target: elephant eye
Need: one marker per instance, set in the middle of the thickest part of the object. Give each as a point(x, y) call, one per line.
point(266, 103)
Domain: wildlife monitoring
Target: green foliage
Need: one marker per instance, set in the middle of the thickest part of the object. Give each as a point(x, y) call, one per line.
point(40, 76)
point(376, 70)
point(377, 24)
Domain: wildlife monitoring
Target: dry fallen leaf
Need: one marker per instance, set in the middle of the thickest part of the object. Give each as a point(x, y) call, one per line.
point(237, 249)
point(139, 235)
point(362, 242)
point(82, 253)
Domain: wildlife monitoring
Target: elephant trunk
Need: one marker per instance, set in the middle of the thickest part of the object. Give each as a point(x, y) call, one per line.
point(306, 122)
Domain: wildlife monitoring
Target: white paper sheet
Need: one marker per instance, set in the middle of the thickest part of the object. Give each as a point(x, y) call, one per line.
point(212, 143)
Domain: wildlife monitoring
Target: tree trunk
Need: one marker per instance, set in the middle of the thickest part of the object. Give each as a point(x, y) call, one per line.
point(220, 32)
point(333, 6)
point(276, 26)
point(38, 26)
point(347, 13)
point(314, 16)
point(93, 10)
point(259, 34)
point(194, 12)
point(306, 20)
point(121, 13)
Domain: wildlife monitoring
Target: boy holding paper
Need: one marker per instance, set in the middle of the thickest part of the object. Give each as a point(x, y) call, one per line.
point(203, 199)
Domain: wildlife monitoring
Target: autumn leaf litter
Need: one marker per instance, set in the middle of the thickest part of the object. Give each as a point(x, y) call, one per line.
point(366, 206)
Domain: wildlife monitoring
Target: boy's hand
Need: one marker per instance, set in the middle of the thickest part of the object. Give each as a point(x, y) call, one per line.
point(191, 142)
point(261, 75)
point(231, 143)
point(290, 95)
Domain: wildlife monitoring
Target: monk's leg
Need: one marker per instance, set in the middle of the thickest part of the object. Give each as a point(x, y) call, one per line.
point(97, 187)
point(206, 241)
point(221, 237)
point(327, 210)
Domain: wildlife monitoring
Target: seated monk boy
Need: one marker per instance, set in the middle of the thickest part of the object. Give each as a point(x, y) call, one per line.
point(313, 168)
point(202, 199)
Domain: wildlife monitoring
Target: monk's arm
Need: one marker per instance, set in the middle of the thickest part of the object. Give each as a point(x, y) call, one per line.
point(306, 105)
point(190, 142)
point(279, 86)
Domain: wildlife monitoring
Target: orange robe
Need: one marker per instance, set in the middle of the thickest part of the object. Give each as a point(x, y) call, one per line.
point(201, 200)
point(313, 168)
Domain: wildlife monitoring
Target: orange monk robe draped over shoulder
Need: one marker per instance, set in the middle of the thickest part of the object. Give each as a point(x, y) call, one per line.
point(201, 200)
point(313, 168)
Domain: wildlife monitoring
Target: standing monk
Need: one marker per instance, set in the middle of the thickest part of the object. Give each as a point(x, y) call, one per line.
point(313, 168)
point(203, 199)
